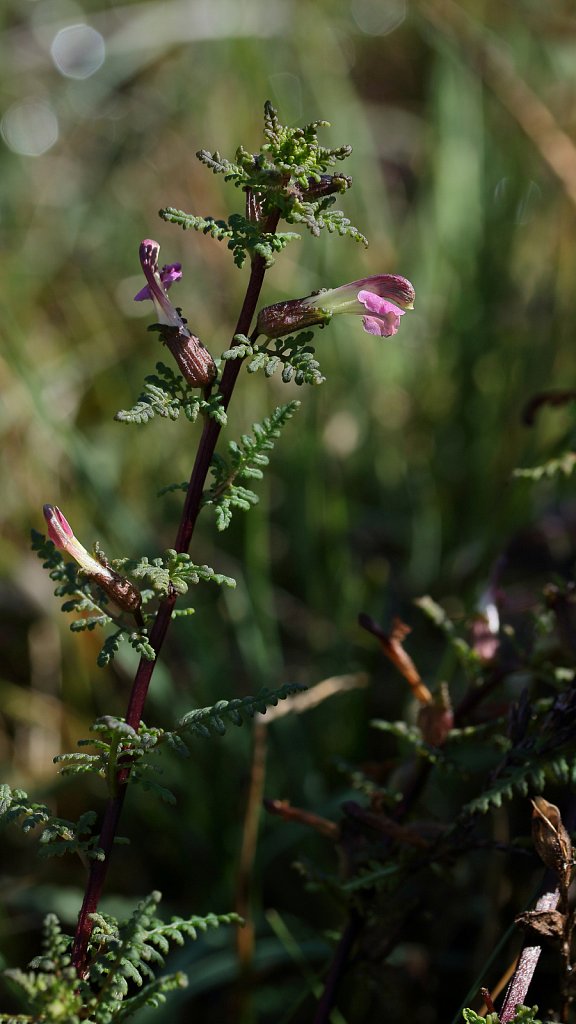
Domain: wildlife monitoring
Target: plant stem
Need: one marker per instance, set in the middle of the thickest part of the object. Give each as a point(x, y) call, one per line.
point(343, 950)
point(518, 988)
point(144, 672)
point(245, 935)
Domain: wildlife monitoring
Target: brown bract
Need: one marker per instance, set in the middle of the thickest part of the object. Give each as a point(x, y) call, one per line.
point(551, 839)
point(392, 646)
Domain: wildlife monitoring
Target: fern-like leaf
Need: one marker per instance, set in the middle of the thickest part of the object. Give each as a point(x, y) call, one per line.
point(171, 488)
point(288, 174)
point(565, 464)
point(16, 806)
point(218, 229)
point(412, 737)
point(522, 779)
point(471, 1017)
point(293, 354)
point(121, 955)
point(167, 394)
point(175, 571)
point(245, 462)
point(215, 720)
point(57, 836)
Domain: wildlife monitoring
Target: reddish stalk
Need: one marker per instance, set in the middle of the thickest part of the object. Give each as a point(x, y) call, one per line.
point(343, 950)
point(142, 679)
point(528, 960)
point(245, 935)
point(527, 963)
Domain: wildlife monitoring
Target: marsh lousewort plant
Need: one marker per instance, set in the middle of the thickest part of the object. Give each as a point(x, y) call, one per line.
point(104, 972)
point(389, 849)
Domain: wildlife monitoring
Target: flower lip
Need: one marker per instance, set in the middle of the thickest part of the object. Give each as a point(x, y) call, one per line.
point(170, 272)
point(385, 318)
point(158, 283)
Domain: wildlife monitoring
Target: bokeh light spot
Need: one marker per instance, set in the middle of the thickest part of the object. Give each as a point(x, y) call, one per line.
point(29, 127)
point(78, 51)
point(341, 434)
point(376, 18)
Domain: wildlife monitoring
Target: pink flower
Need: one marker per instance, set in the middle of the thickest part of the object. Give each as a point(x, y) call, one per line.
point(159, 281)
point(121, 590)
point(61, 534)
point(193, 358)
point(380, 301)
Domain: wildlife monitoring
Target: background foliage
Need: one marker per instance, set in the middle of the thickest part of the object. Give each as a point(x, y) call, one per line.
point(393, 480)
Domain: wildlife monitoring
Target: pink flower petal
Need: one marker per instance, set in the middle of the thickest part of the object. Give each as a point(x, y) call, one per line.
point(170, 273)
point(387, 319)
point(158, 282)
point(59, 529)
point(61, 534)
point(384, 327)
point(376, 304)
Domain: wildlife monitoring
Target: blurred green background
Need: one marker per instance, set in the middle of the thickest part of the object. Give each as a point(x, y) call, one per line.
point(393, 480)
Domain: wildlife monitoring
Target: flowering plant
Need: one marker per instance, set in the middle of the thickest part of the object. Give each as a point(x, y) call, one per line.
point(392, 850)
point(292, 178)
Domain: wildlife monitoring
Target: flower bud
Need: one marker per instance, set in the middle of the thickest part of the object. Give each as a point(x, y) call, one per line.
point(323, 185)
point(118, 588)
point(380, 301)
point(193, 358)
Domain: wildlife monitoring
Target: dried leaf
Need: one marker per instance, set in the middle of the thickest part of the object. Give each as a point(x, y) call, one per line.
point(550, 838)
point(542, 925)
point(392, 646)
point(436, 720)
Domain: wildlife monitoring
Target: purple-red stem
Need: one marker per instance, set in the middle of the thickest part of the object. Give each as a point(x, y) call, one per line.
point(192, 505)
point(343, 950)
point(518, 987)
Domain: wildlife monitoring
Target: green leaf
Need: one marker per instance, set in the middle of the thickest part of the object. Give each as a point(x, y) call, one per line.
point(175, 571)
point(167, 394)
point(215, 720)
point(119, 952)
point(565, 464)
point(245, 461)
point(288, 174)
point(474, 1018)
point(294, 354)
